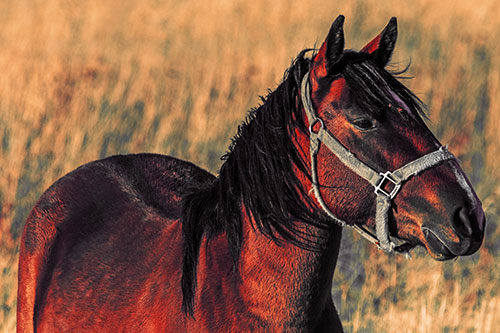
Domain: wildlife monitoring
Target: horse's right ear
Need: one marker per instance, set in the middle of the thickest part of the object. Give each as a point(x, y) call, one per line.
point(382, 46)
point(329, 52)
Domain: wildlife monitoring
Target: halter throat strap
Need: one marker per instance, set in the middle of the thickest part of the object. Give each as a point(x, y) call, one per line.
point(379, 180)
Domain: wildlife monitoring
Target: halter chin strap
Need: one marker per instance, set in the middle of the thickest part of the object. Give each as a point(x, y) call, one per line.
point(379, 180)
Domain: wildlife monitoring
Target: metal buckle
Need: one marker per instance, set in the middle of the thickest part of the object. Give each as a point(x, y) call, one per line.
point(379, 188)
point(314, 123)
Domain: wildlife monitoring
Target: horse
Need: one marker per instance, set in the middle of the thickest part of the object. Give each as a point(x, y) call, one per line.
point(149, 242)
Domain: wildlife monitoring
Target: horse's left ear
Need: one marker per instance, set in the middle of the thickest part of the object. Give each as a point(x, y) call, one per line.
point(381, 47)
point(330, 51)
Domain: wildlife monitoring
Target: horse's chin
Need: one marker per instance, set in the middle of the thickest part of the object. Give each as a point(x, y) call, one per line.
point(437, 249)
point(441, 256)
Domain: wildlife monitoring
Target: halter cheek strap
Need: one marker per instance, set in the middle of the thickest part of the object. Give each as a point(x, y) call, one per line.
point(379, 180)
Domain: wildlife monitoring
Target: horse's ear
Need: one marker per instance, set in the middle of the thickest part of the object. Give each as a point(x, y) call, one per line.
point(330, 51)
point(381, 47)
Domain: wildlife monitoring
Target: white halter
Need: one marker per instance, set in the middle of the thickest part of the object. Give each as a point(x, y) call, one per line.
point(377, 179)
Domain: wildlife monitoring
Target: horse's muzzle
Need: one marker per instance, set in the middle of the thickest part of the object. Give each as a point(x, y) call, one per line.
point(463, 236)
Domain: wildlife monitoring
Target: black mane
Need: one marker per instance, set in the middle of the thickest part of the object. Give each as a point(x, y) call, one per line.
point(258, 170)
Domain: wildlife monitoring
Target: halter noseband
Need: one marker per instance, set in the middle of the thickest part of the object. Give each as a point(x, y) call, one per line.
point(377, 179)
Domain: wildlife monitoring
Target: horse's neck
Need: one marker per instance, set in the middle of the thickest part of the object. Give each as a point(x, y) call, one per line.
point(285, 278)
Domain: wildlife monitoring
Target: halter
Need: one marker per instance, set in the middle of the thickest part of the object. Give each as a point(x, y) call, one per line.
point(379, 180)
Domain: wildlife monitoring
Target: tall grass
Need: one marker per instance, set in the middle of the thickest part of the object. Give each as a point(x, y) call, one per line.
point(80, 80)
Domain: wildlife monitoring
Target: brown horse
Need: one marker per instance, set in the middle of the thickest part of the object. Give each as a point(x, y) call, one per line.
point(152, 243)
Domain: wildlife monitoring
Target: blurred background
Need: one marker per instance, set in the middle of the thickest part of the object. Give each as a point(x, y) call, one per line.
point(81, 80)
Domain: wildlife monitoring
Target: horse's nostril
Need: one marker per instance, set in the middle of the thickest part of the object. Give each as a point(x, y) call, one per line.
point(462, 223)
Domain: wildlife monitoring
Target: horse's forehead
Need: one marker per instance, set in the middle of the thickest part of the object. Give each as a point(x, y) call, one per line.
point(338, 94)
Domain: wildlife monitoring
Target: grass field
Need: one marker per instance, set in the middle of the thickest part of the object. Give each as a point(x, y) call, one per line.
point(81, 80)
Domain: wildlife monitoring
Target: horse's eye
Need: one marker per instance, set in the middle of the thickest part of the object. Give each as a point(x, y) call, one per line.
point(364, 124)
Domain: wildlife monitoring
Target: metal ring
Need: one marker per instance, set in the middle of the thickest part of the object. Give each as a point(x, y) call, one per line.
point(314, 123)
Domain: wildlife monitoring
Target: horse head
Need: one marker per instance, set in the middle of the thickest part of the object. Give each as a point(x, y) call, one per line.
point(357, 102)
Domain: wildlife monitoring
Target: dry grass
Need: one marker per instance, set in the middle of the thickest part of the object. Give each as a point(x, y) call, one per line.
point(81, 80)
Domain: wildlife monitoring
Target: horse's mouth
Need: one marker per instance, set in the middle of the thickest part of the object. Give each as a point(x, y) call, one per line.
point(436, 247)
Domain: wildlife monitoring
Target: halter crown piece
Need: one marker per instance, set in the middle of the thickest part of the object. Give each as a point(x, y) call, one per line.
point(377, 179)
